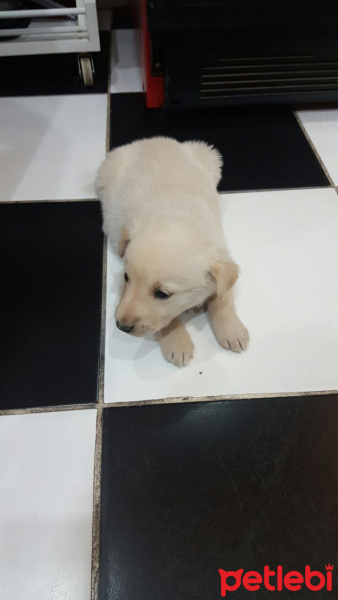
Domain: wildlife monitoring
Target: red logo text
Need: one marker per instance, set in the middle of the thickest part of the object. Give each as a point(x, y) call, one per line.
point(276, 580)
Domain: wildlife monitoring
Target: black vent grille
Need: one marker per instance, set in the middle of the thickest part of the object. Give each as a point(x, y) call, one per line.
point(238, 77)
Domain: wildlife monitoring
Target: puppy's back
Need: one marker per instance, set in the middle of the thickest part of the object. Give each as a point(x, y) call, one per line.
point(208, 157)
point(153, 175)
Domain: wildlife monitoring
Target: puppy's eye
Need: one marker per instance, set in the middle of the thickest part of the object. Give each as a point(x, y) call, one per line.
point(126, 278)
point(161, 295)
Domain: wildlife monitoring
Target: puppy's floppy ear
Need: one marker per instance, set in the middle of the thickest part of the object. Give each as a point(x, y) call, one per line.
point(124, 241)
point(225, 273)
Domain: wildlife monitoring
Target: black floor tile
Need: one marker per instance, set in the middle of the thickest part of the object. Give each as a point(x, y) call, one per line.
point(123, 18)
point(50, 303)
point(53, 74)
point(262, 148)
point(188, 489)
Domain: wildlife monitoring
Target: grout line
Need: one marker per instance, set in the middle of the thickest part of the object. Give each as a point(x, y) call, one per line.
point(95, 568)
point(105, 246)
point(95, 564)
point(314, 149)
point(59, 201)
point(103, 322)
point(263, 191)
point(43, 409)
point(190, 399)
point(171, 400)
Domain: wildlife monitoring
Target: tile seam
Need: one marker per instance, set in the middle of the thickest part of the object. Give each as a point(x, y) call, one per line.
point(49, 201)
point(190, 399)
point(267, 190)
point(47, 409)
point(103, 322)
point(95, 562)
point(168, 400)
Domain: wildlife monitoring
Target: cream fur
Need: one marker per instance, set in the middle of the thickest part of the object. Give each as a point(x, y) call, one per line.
point(161, 213)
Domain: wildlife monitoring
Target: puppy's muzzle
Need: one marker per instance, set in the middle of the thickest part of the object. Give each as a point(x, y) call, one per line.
point(124, 327)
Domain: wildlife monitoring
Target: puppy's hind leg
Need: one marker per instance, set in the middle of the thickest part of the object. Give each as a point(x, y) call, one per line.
point(176, 344)
point(229, 330)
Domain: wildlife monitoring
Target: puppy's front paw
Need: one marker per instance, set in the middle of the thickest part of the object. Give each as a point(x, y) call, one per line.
point(177, 347)
point(232, 335)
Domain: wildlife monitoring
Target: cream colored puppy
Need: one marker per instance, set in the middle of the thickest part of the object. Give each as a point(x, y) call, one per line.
point(161, 213)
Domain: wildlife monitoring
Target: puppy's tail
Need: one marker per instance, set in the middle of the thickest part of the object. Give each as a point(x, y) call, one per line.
point(208, 156)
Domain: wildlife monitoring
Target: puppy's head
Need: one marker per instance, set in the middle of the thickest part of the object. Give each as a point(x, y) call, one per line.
point(168, 270)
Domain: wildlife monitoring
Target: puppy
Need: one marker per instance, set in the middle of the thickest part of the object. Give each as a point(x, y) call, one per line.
point(161, 214)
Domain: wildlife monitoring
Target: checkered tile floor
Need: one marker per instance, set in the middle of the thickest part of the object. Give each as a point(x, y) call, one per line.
point(122, 477)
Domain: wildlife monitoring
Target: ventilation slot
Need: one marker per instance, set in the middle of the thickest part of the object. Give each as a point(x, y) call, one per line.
point(267, 75)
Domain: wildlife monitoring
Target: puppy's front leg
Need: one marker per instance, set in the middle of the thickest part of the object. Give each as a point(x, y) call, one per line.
point(176, 344)
point(228, 328)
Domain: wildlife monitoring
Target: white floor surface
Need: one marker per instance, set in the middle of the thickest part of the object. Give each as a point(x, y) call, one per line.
point(286, 243)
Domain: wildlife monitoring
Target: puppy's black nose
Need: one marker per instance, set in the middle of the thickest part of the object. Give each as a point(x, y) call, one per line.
point(125, 328)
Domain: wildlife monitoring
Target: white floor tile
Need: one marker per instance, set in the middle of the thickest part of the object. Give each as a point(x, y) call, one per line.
point(51, 146)
point(322, 127)
point(125, 65)
point(46, 490)
point(286, 243)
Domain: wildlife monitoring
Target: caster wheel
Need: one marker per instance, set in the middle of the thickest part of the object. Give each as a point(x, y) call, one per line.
point(86, 69)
